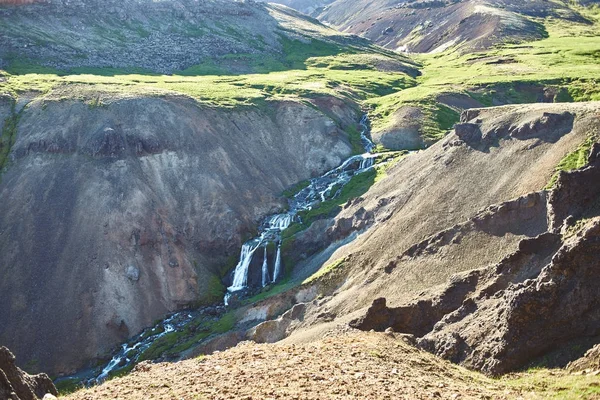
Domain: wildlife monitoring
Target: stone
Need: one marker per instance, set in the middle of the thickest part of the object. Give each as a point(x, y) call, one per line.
point(132, 273)
point(16, 384)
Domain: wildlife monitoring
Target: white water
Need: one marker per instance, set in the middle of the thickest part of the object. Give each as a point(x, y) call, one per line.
point(240, 276)
point(319, 189)
point(277, 263)
point(323, 188)
point(145, 339)
point(265, 270)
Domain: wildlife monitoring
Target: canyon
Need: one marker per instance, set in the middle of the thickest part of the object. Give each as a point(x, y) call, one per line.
point(370, 180)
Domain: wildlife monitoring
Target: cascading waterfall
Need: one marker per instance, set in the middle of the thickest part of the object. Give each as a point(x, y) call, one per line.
point(320, 189)
point(277, 270)
point(265, 270)
point(240, 277)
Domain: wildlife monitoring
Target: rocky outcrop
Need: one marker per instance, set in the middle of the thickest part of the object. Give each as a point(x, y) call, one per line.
point(539, 298)
point(589, 362)
point(113, 216)
point(18, 385)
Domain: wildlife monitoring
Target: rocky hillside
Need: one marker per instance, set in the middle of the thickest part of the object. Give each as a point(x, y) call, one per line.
point(423, 26)
point(138, 203)
point(85, 35)
point(127, 196)
point(143, 143)
point(483, 185)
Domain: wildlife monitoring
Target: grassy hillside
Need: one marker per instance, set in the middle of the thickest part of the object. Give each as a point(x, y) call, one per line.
point(567, 62)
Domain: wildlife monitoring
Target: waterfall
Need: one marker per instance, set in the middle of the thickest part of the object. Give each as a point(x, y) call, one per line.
point(277, 270)
point(367, 162)
point(265, 270)
point(240, 277)
point(320, 189)
point(280, 221)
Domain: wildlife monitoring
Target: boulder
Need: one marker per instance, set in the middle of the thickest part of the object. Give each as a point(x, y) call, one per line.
point(16, 384)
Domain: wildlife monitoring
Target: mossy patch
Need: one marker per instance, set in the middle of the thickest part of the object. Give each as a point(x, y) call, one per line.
point(574, 160)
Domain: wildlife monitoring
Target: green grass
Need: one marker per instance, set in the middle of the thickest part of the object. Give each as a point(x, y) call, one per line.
point(67, 386)
point(8, 137)
point(567, 60)
point(176, 342)
point(553, 384)
point(271, 291)
point(325, 271)
point(574, 160)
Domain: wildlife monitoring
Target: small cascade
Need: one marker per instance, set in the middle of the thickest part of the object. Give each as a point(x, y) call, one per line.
point(265, 270)
point(240, 277)
point(280, 221)
point(366, 142)
point(131, 351)
point(320, 189)
point(277, 270)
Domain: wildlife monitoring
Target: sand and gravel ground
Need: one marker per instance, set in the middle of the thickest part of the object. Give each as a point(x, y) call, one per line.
point(346, 365)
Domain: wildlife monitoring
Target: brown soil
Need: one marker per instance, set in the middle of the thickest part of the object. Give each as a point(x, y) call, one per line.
point(345, 365)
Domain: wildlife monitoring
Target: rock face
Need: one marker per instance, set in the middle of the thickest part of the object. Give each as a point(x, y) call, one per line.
point(113, 216)
point(18, 385)
point(434, 25)
point(537, 299)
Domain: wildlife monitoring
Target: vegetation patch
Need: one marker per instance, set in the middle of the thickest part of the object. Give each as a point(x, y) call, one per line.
point(325, 271)
point(574, 160)
point(9, 135)
point(197, 330)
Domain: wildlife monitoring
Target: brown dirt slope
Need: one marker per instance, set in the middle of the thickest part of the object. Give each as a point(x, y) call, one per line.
point(348, 365)
point(431, 217)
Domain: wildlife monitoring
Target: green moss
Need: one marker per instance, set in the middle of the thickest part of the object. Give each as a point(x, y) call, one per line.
point(325, 271)
point(67, 386)
point(295, 189)
point(574, 160)
point(216, 290)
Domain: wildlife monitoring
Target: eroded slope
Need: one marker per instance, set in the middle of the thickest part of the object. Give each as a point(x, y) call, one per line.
point(114, 215)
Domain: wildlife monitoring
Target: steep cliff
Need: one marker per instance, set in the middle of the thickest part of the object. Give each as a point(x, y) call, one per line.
point(114, 215)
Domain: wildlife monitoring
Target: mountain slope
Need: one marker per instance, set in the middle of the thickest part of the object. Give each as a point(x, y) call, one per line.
point(147, 184)
point(423, 26)
point(401, 250)
point(87, 35)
